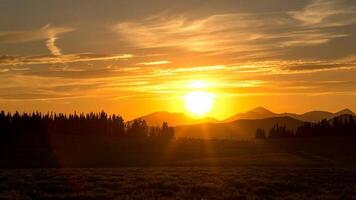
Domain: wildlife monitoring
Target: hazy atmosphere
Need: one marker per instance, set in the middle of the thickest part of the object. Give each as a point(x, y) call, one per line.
point(289, 56)
point(177, 99)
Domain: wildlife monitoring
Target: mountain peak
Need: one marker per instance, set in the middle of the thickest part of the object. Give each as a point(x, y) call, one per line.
point(173, 119)
point(260, 109)
point(163, 113)
point(256, 113)
point(345, 111)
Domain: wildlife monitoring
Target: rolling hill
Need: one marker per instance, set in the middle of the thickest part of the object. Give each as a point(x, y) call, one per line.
point(180, 119)
point(173, 119)
point(312, 116)
point(240, 129)
point(256, 113)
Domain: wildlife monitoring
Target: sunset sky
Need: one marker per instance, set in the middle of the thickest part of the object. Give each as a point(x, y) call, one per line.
point(134, 57)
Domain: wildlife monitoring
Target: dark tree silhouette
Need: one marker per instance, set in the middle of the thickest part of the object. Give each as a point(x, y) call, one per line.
point(260, 133)
point(163, 132)
point(339, 126)
point(280, 132)
point(16, 125)
point(137, 129)
point(166, 131)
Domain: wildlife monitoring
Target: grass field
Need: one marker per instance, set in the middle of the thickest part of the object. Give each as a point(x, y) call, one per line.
point(314, 168)
point(89, 152)
point(179, 183)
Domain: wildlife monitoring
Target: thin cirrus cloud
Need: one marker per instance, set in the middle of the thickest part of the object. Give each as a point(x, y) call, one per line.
point(243, 36)
point(240, 32)
point(54, 59)
point(318, 66)
point(326, 13)
point(48, 33)
point(77, 84)
point(159, 62)
point(51, 44)
point(213, 33)
point(265, 67)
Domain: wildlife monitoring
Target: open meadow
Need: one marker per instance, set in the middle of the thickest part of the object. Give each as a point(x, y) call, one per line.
point(315, 168)
point(179, 183)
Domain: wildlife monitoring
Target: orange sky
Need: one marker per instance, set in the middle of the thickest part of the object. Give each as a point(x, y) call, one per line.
point(134, 57)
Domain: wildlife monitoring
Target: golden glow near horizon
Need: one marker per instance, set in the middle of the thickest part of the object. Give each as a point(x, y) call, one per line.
point(135, 63)
point(198, 84)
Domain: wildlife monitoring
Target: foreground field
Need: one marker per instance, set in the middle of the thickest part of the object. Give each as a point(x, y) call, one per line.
point(109, 168)
point(90, 152)
point(179, 183)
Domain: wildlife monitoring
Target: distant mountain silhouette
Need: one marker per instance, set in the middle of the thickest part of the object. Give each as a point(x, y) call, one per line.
point(173, 119)
point(180, 119)
point(312, 116)
point(344, 112)
point(256, 113)
point(342, 117)
point(240, 129)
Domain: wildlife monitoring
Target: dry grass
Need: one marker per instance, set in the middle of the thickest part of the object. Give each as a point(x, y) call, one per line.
point(183, 169)
point(179, 183)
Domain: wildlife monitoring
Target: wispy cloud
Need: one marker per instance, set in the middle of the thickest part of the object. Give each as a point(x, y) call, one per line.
point(145, 82)
point(252, 35)
point(48, 33)
point(216, 32)
point(326, 13)
point(159, 62)
point(54, 59)
point(263, 67)
point(4, 70)
point(51, 44)
point(294, 67)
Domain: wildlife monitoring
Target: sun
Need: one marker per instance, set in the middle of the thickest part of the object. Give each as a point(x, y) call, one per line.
point(199, 103)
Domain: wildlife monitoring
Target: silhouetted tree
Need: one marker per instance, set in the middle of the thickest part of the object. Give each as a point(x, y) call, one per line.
point(154, 132)
point(166, 131)
point(338, 126)
point(13, 126)
point(137, 129)
point(163, 132)
point(260, 133)
point(280, 132)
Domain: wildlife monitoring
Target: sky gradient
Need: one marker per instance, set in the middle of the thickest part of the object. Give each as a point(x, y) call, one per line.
point(134, 57)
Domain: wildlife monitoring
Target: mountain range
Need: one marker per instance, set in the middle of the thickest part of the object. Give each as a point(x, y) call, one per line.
point(312, 116)
point(180, 119)
point(174, 119)
point(239, 129)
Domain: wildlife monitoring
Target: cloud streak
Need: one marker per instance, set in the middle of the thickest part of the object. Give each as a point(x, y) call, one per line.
point(326, 13)
point(142, 83)
point(51, 45)
point(48, 33)
point(263, 35)
point(240, 54)
point(55, 59)
point(160, 62)
point(205, 34)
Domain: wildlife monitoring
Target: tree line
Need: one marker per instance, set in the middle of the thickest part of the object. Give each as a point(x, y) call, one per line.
point(101, 124)
point(338, 126)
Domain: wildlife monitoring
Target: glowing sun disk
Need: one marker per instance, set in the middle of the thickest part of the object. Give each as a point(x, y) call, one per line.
point(199, 102)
